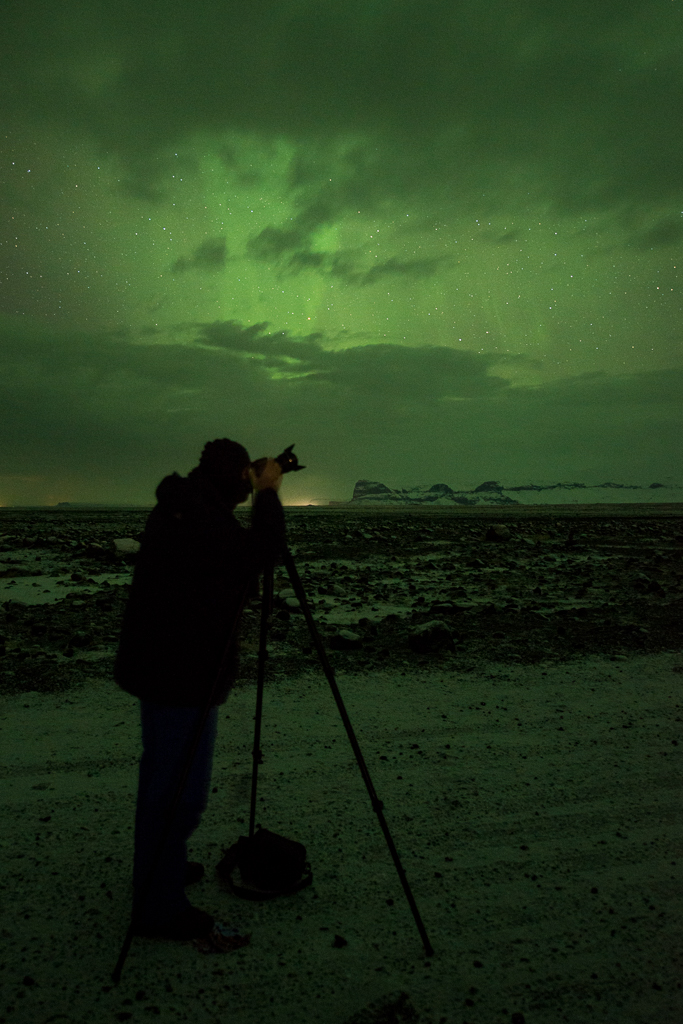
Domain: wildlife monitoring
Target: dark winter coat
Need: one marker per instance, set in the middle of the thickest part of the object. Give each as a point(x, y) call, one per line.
point(192, 566)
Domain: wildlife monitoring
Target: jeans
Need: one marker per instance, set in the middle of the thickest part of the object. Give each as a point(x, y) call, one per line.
point(166, 739)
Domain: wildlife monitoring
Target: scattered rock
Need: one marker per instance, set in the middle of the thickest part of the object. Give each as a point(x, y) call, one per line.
point(126, 546)
point(498, 532)
point(395, 1008)
point(430, 636)
point(385, 590)
point(345, 640)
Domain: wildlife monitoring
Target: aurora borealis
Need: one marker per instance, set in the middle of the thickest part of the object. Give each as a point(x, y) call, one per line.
point(426, 242)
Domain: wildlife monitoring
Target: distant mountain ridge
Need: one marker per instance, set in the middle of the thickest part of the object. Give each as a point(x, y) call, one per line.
point(371, 492)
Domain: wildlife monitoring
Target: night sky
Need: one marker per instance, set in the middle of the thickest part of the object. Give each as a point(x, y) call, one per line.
point(427, 242)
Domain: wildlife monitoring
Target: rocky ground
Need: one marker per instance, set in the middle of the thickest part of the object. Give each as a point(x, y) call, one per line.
point(389, 588)
point(514, 680)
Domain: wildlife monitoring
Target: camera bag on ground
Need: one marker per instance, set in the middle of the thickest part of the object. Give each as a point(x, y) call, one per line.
point(269, 865)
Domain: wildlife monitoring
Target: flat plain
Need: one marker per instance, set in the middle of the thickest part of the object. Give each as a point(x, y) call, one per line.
point(513, 677)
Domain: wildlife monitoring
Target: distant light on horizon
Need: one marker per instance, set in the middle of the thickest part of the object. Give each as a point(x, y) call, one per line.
point(305, 501)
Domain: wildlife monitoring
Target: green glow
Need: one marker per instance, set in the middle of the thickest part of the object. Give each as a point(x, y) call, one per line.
point(212, 222)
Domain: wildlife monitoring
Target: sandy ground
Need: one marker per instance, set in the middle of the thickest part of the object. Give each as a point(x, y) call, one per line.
point(536, 811)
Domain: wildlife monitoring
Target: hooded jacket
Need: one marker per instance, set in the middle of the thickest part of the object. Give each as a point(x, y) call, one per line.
point(190, 572)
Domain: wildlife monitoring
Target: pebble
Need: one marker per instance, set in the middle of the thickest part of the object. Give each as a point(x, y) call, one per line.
point(390, 590)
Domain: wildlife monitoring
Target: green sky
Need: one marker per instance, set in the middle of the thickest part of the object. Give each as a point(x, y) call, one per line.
point(426, 242)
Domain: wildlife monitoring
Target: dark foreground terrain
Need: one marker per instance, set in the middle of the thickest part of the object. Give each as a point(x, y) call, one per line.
point(514, 679)
point(389, 588)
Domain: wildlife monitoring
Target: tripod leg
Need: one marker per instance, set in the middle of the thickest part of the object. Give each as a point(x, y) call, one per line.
point(257, 753)
point(377, 804)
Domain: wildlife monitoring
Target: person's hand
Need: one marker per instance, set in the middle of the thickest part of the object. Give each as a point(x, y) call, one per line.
point(270, 476)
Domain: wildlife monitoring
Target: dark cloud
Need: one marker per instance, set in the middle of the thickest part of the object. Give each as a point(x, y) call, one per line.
point(120, 409)
point(579, 103)
point(210, 255)
point(668, 231)
point(413, 270)
point(413, 116)
point(232, 335)
point(296, 239)
point(390, 372)
point(307, 261)
point(601, 390)
point(291, 247)
point(274, 242)
point(509, 236)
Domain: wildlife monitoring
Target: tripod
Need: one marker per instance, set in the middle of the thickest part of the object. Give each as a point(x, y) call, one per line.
point(266, 609)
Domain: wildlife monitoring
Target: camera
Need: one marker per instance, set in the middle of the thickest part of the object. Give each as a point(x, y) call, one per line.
point(287, 461)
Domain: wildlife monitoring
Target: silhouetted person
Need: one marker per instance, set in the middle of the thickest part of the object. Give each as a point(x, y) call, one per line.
point(191, 569)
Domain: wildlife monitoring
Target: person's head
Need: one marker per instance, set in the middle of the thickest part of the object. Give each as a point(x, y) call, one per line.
point(226, 464)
